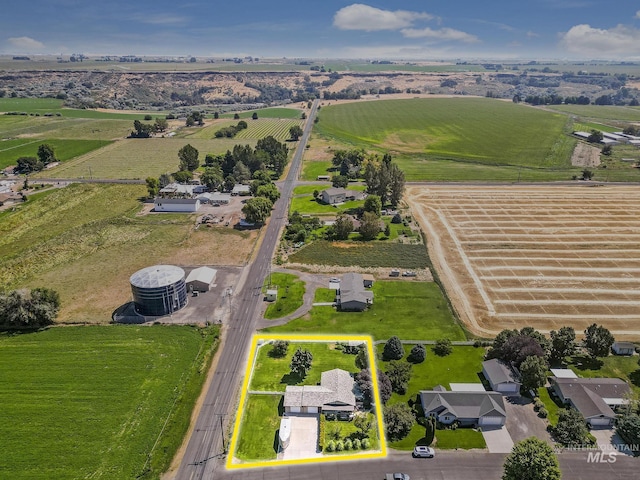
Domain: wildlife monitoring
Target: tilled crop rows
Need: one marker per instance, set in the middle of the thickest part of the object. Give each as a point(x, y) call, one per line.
point(540, 256)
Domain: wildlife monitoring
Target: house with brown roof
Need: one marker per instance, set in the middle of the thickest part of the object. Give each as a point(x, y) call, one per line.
point(594, 398)
point(334, 394)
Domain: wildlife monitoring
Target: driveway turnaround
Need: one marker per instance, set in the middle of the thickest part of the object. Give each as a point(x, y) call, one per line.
point(498, 440)
point(523, 422)
point(610, 442)
point(304, 437)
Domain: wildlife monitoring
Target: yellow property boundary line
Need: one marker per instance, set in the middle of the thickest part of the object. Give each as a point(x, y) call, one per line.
point(333, 458)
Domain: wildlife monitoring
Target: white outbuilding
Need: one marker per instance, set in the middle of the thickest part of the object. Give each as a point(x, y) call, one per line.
point(200, 279)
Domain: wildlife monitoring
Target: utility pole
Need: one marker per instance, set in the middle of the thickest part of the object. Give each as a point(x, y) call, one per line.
point(224, 446)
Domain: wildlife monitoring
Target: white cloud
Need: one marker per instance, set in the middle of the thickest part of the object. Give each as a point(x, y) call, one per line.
point(26, 43)
point(162, 19)
point(531, 34)
point(638, 14)
point(620, 41)
point(363, 17)
point(440, 34)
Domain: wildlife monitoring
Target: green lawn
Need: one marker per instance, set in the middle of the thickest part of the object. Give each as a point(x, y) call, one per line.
point(324, 295)
point(274, 374)
point(91, 402)
point(461, 366)
point(552, 407)
point(312, 169)
point(343, 430)
point(365, 254)
point(600, 112)
point(411, 310)
point(290, 292)
point(308, 205)
point(465, 130)
point(258, 439)
point(616, 366)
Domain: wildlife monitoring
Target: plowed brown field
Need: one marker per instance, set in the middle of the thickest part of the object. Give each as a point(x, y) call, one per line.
point(512, 256)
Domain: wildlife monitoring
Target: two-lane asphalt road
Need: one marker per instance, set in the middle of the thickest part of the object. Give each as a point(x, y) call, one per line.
point(205, 445)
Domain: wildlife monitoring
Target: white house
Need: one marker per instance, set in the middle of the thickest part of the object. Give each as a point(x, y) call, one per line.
point(189, 205)
point(333, 195)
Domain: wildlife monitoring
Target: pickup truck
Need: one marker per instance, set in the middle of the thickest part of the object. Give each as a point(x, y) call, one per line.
point(397, 476)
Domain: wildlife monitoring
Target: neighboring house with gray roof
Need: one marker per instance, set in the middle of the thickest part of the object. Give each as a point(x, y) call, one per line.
point(501, 377)
point(334, 394)
point(594, 398)
point(333, 195)
point(484, 409)
point(352, 295)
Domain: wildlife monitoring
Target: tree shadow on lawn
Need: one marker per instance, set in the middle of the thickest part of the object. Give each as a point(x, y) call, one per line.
point(584, 362)
point(634, 377)
point(291, 378)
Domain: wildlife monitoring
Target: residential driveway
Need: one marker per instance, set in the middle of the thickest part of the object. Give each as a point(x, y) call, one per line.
point(522, 421)
point(304, 437)
point(498, 439)
point(610, 442)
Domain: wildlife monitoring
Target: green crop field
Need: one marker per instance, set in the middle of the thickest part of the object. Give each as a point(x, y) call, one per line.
point(138, 158)
point(263, 127)
point(274, 112)
point(600, 112)
point(365, 254)
point(479, 134)
point(64, 149)
point(54, 106)
point(91, 402)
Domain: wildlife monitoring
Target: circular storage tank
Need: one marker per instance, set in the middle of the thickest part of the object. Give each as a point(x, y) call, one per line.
point(159, 290)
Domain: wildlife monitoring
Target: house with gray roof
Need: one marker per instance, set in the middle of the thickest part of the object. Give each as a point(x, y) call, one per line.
point(334, 394)
point(333, 195)
point(484, 409)
point(594, 398)
point(501, 377)
point(352, 295)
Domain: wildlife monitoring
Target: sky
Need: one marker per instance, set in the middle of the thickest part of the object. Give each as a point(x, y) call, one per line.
point(381, 29)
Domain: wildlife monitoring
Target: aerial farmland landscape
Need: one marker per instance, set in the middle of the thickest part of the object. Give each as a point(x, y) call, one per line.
point(358, 241)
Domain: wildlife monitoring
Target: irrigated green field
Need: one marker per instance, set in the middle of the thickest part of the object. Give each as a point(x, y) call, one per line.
point(455, 138)
point(11, 150)
point(602, 112)
point(98, 402)
point(43, 106)
point(274, 112)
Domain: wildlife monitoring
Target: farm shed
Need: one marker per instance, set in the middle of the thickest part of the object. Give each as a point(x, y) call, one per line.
point(159, 290)
point(623, 348)
point(220, 198)
point(200, 279)
point(367, 280)
point(188, 205)
point(272, 294)
point(241, 190)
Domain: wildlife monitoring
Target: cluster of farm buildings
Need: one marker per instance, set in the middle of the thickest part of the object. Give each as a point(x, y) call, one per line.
point(615, 138)
point(177, 197)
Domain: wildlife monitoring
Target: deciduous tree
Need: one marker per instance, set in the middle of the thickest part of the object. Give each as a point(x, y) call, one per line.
point(188, 156)
point(532, 459)
point(598, 340)
point(571, 429)
point(563, 343)
point(533, 371)
point(398, 419)
point(399, 374)
point(257, 210)
point(295, 132)
point(279, 348)
point(370, 226)
point(443, 347)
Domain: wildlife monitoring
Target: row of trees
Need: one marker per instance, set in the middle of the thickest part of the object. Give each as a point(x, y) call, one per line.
point(28, 308)
point(44, 157)
point(144, 130)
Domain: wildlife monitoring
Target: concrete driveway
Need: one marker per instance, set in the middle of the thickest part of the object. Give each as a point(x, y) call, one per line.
point(498, 439)
point(304, 437)
point(522, 421)
point(610, 442)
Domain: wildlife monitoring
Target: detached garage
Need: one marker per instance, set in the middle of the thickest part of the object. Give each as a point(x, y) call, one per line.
point(501, 377)
point(200, 279)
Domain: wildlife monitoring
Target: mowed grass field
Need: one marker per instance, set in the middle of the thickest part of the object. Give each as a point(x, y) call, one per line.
point(91, 402)
point(85, 241)
point(410, 310)
point(42, 106)
point(454, 138)
point(64, 149)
